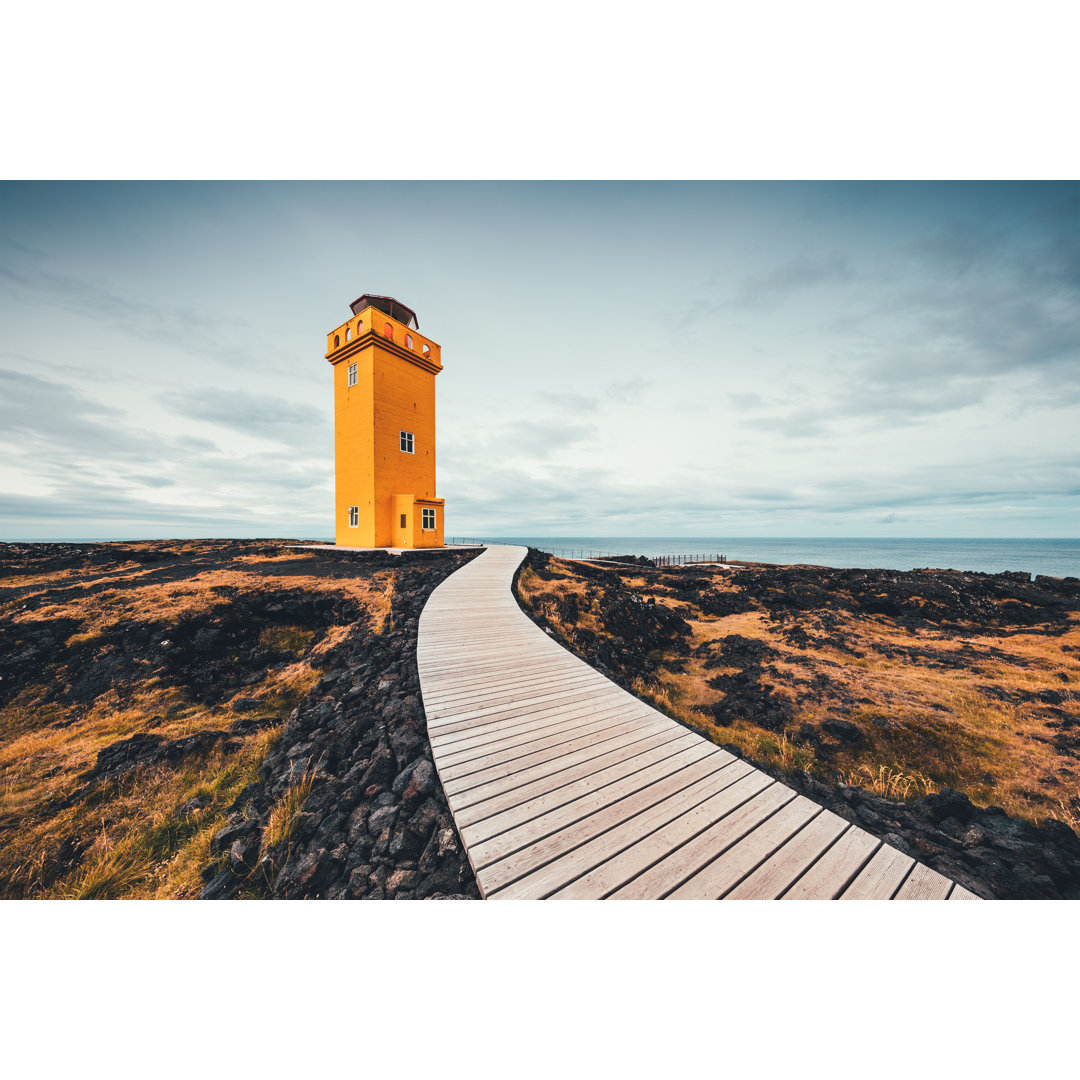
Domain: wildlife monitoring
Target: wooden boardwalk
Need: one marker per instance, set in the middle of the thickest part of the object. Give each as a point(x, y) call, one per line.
point(565, 786)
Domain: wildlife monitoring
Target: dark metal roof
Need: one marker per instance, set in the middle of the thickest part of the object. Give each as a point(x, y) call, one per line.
point(388, 306)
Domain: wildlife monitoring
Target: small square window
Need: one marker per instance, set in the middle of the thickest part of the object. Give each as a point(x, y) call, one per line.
point(352, 374)
point(429, 519)
point(408, 445)
point(354, 517)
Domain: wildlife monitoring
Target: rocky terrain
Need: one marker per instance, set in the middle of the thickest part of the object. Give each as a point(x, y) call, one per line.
point(938, 710)
point(373, 823)
point(217, 718)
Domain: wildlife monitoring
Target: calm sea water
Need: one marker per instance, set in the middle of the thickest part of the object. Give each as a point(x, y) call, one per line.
point(1054, 557)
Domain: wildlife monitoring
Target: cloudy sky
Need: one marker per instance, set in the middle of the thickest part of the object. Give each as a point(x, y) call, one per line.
point(620, 359)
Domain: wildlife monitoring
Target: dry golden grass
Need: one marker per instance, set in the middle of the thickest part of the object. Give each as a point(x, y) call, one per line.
point(148, 833)
point(141, 838)
point(102, 611)
point(282, 819)
point(927, 723)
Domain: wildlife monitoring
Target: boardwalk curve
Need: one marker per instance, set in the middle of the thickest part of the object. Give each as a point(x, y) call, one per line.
point(565, 786)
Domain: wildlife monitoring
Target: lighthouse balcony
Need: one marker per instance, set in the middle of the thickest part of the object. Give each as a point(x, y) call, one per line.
point(373, 326)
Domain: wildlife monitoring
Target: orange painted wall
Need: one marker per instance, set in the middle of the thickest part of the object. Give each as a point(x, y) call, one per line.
point(393, 393)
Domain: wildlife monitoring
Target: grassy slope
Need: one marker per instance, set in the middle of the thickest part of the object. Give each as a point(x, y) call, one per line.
point(929, 723)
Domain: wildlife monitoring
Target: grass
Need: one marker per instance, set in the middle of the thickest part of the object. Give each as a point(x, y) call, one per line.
point(289, 639)
point(143, 837)
point(889, 782)
point(927, 723)
point(149, 833)
point(282, 819)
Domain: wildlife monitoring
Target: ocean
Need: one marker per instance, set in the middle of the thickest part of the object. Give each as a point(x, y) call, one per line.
point(1053, 557)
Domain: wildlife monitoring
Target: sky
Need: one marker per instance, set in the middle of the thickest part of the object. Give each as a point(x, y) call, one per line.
point(620, 359)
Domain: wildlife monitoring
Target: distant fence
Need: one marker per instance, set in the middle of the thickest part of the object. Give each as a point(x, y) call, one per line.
point(687, 560)
point(596, 553)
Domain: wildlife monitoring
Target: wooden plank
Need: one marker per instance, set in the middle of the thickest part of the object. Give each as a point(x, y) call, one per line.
point(543, 747)
point(465, 674)
point(518, 704)
point(505, 688)
point(497, 739)
point(837, 868)
point(661, 748)
point(449, 653)
point(516, 714)
point(452, 737)
point(670, 868)
point(924, 884)
point(774, 875)
point(563, 858)
point(546, 762)
point(960, 893)
point(542, 825)
point(741, 784)
point(881, 876)
point(549, 770)
point(470, 678)
point(508, 797)
point(721, 875)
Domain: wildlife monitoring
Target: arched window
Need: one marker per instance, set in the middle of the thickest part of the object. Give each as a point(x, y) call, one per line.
point(388, 331)
point(427, 349)
point(359, 327)
point(348, 331)
point(408, 341)
point(337, 341)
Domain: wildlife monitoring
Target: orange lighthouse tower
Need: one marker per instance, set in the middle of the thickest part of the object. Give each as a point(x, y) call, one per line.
point(384, 428)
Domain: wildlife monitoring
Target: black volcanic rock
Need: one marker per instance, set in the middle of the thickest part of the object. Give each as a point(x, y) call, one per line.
point(376, 823)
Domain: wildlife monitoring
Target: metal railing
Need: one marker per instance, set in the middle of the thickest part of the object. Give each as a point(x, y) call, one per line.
point(687, 560)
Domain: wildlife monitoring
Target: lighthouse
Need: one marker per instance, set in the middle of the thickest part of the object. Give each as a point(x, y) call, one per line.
point(384, 428)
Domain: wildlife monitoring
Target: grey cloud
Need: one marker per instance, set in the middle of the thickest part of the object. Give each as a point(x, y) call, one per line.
point(90, 466)
point(961, 247)
point(582, 497)
point(570, 403)
point(150, 480)
point(265, 415)
point(767, 290)
point(195, 443)
point(532, 440)
point(747, 401)
point(621, 392)
point(54, 418)
point(160, 324)
point(627, 391)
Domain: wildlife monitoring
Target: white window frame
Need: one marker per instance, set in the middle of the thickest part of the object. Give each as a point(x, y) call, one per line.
point(408, 442)
point(352, 374)
point(354, 517)
point(427, 513)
